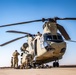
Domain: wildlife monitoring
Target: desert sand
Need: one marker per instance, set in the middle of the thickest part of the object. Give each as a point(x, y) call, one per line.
point(50, 71)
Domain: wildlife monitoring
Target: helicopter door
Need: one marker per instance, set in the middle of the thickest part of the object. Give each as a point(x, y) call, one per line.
point(35, 47)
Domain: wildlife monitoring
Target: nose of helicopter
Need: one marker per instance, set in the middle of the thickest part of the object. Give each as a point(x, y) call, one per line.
point(49, 47)
point(56, 47)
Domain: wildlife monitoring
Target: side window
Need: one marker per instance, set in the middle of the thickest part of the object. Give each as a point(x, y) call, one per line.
point(32, 46)
point(41, 42)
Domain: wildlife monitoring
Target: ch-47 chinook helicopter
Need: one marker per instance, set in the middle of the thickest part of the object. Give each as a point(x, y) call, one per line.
point(46, 47)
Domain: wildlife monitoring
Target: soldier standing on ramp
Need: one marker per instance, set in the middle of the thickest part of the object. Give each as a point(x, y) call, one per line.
point(15, 57)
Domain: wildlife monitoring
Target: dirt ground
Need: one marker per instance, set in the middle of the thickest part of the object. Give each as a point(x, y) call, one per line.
point(51, 71)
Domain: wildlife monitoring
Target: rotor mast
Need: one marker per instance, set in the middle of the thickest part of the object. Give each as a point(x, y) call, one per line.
point(50, 27)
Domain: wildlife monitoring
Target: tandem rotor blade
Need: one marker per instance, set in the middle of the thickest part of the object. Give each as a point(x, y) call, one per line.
point(20, 32)
point(23, 23)
point(43, 19)
point(63, 32)
point(65, 18)
point(13, 31)
point(12, 40)
point(71, 40)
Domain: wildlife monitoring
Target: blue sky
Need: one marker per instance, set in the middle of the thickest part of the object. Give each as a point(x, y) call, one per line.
point(12, 11)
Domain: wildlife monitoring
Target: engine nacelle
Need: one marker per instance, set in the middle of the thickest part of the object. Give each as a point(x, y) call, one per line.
point(23, 48)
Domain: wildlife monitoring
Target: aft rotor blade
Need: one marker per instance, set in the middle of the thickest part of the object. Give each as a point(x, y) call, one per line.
point(12, 40)
point(20, 32)
point(63, 32)
point(13, 31)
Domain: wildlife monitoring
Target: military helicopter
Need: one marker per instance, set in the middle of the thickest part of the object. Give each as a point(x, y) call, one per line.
point(46, 47)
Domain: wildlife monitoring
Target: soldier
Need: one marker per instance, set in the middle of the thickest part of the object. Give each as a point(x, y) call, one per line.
point(27, 62)
point(15, 57)
point(38, 33)
point(11, 61)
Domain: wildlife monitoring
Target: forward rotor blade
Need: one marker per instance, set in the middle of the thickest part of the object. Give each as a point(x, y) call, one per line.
point(43, 19)
point(12, 40)
point(71, 41)
point(66, 19)
point(22, 23)
point(63, 32)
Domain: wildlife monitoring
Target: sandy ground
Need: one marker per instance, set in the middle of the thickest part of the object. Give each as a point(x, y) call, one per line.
point(51, 71)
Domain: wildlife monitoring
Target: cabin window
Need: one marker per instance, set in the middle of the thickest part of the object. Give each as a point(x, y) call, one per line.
point(55, 38)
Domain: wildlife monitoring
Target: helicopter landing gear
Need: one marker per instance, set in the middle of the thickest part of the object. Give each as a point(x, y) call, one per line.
point(37, 65)
point(55, 64)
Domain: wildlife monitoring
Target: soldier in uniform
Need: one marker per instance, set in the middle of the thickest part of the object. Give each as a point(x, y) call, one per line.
point(27, 62)
point(39, 34)
point(11, 61)
point(15, 57)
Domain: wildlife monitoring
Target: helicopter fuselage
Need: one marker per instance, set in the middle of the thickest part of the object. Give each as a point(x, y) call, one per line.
point(49, 48)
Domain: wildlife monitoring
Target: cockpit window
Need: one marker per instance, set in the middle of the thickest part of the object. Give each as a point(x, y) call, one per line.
point(55, 37)
point(59, 37)
point(49, 37)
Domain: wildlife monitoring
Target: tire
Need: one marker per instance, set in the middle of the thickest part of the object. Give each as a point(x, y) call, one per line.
point(55, 64)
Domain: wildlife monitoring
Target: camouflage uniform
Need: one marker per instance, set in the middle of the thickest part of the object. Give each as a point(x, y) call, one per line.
point(24, 64)
point(15, 56)
point(11, 61)
point(27, 62)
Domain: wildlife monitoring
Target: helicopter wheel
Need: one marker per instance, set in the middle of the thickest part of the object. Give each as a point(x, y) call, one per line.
point(55, 64)
point(36, 66)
